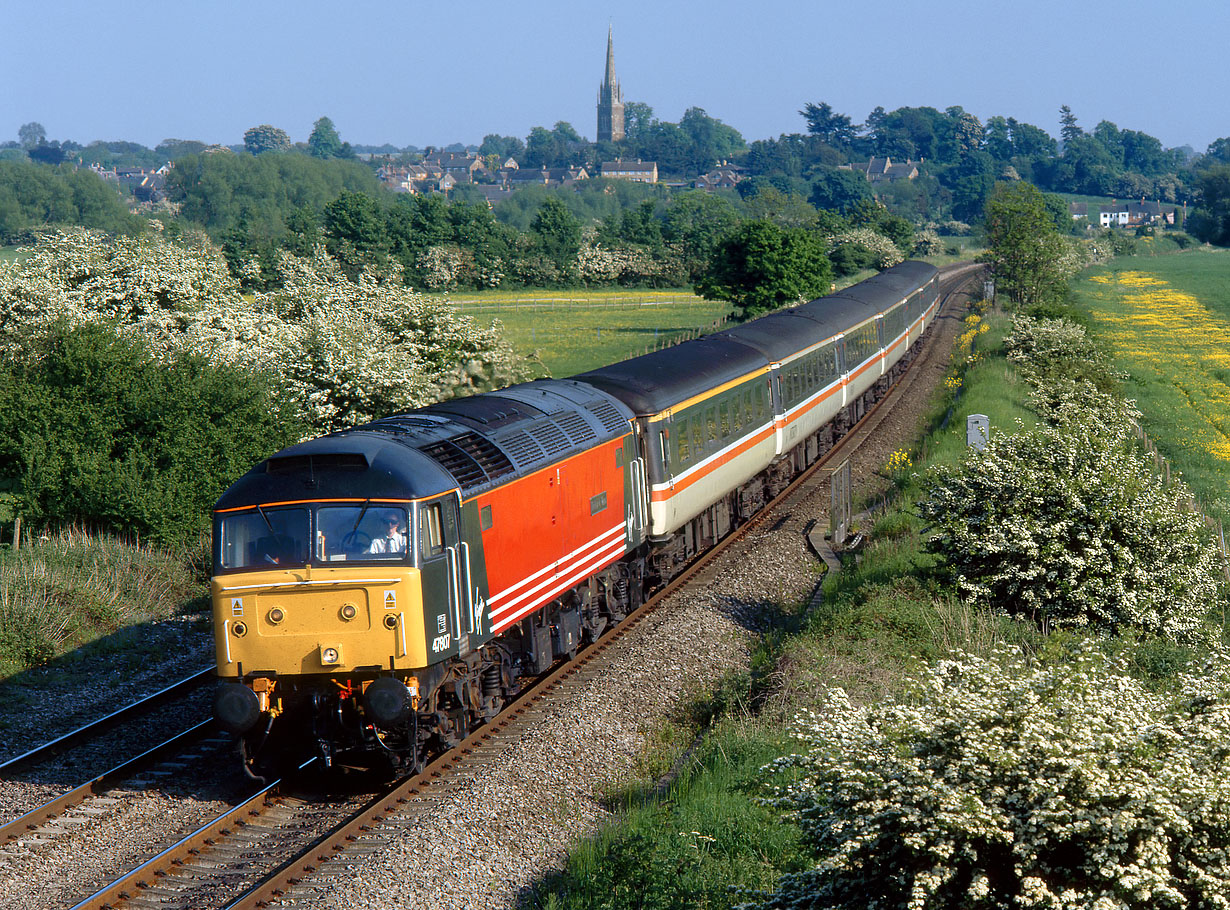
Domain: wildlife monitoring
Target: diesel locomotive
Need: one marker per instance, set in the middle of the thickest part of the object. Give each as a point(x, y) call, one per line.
point(380, 591)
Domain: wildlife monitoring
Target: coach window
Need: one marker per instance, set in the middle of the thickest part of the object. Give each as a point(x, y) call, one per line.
point(682, 446)
point(724, 411)
point(698, 435)
point(711, 423)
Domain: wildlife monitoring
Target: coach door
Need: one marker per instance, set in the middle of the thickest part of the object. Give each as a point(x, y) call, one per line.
point(448, 615)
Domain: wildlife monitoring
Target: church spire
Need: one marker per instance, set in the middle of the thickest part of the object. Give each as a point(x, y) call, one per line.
point(610, 98)
point(610, 59)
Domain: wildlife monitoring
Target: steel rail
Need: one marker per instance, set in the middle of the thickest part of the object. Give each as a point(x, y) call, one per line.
point(133, 882)
point(115, 718)
point(19, 827)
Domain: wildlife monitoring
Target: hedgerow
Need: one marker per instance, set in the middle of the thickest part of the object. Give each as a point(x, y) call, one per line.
point(341, 350)
point(1010, 783)
point(1068, 524)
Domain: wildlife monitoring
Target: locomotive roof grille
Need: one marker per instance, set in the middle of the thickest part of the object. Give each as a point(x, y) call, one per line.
point(550, 437)
point(608, 415)
point(310, 464)
point(522, 447)
point(456, 461)
point(576, 426)
point(493, 462)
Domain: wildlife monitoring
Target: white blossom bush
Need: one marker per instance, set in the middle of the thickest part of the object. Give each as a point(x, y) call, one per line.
point(1068, 524)
point(884, 252)
point(1072, 528)
point(343, 351)
point(1005, 783)
point(443, 267)
point(928, 243)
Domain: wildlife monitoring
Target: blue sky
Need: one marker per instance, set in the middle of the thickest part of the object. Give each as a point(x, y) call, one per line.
point(429, 74)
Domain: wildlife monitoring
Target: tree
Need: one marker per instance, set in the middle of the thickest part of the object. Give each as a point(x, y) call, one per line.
point(1219, 150)
point(638, 118)
point(98, 431)
point(1210, 222)
point(47, 153)
point(1069, 129)
point(324, 141)
point(265, 138)
point(1024, 247)
point(502, 147)
point(766, 201)
point(696, 222)
point(1011, 781)
point(31, 135)
point(828, 125)
point(558, 233)
point(761, 267)
point(711, 139)
point(838, 190)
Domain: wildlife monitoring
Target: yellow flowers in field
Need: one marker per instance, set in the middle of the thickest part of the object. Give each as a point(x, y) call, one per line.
point(1163, 334)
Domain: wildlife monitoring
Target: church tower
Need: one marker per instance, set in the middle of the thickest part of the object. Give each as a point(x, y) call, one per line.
point(610, 99)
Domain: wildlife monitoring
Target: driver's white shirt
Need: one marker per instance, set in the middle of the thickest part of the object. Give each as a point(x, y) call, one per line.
point(396, 543)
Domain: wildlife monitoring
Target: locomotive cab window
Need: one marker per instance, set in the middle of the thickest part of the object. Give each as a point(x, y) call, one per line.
point(432, 531)
point(263, 539)
point(361, 532)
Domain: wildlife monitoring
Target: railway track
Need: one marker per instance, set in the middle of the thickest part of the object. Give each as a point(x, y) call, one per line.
point(97, 728)
point(261, 848)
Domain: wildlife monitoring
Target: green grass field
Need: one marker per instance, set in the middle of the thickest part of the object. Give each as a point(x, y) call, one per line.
point(575, 331)
point(1166, 320)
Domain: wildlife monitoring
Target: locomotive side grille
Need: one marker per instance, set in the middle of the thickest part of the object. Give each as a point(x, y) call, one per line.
point(493, 462)
point(551, 438)
point(608, 416)
point(522, 448)
point(576, 426)
point(455, 460)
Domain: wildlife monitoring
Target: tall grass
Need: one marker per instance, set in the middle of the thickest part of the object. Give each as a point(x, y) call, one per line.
point(702, 844)
point(66, 590)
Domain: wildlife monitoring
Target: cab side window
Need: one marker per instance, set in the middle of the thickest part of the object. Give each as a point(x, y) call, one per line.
point(431, 531)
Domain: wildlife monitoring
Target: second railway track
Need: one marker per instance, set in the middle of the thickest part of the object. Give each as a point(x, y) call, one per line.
point(504, 786)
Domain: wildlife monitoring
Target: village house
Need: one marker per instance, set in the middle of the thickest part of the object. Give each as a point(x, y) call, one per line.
point(638, 171)
point(878, 170)
point(722, 177)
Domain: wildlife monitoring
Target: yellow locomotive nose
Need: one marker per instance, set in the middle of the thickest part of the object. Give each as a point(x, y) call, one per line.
point(339, 620)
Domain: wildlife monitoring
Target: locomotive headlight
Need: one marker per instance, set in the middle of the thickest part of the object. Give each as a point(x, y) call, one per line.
point(276, 615)
point(349, 612)
point(330, 655)
point(239, 630)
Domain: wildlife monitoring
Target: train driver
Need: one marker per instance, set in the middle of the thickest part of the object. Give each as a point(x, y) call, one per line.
point(394, 540)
